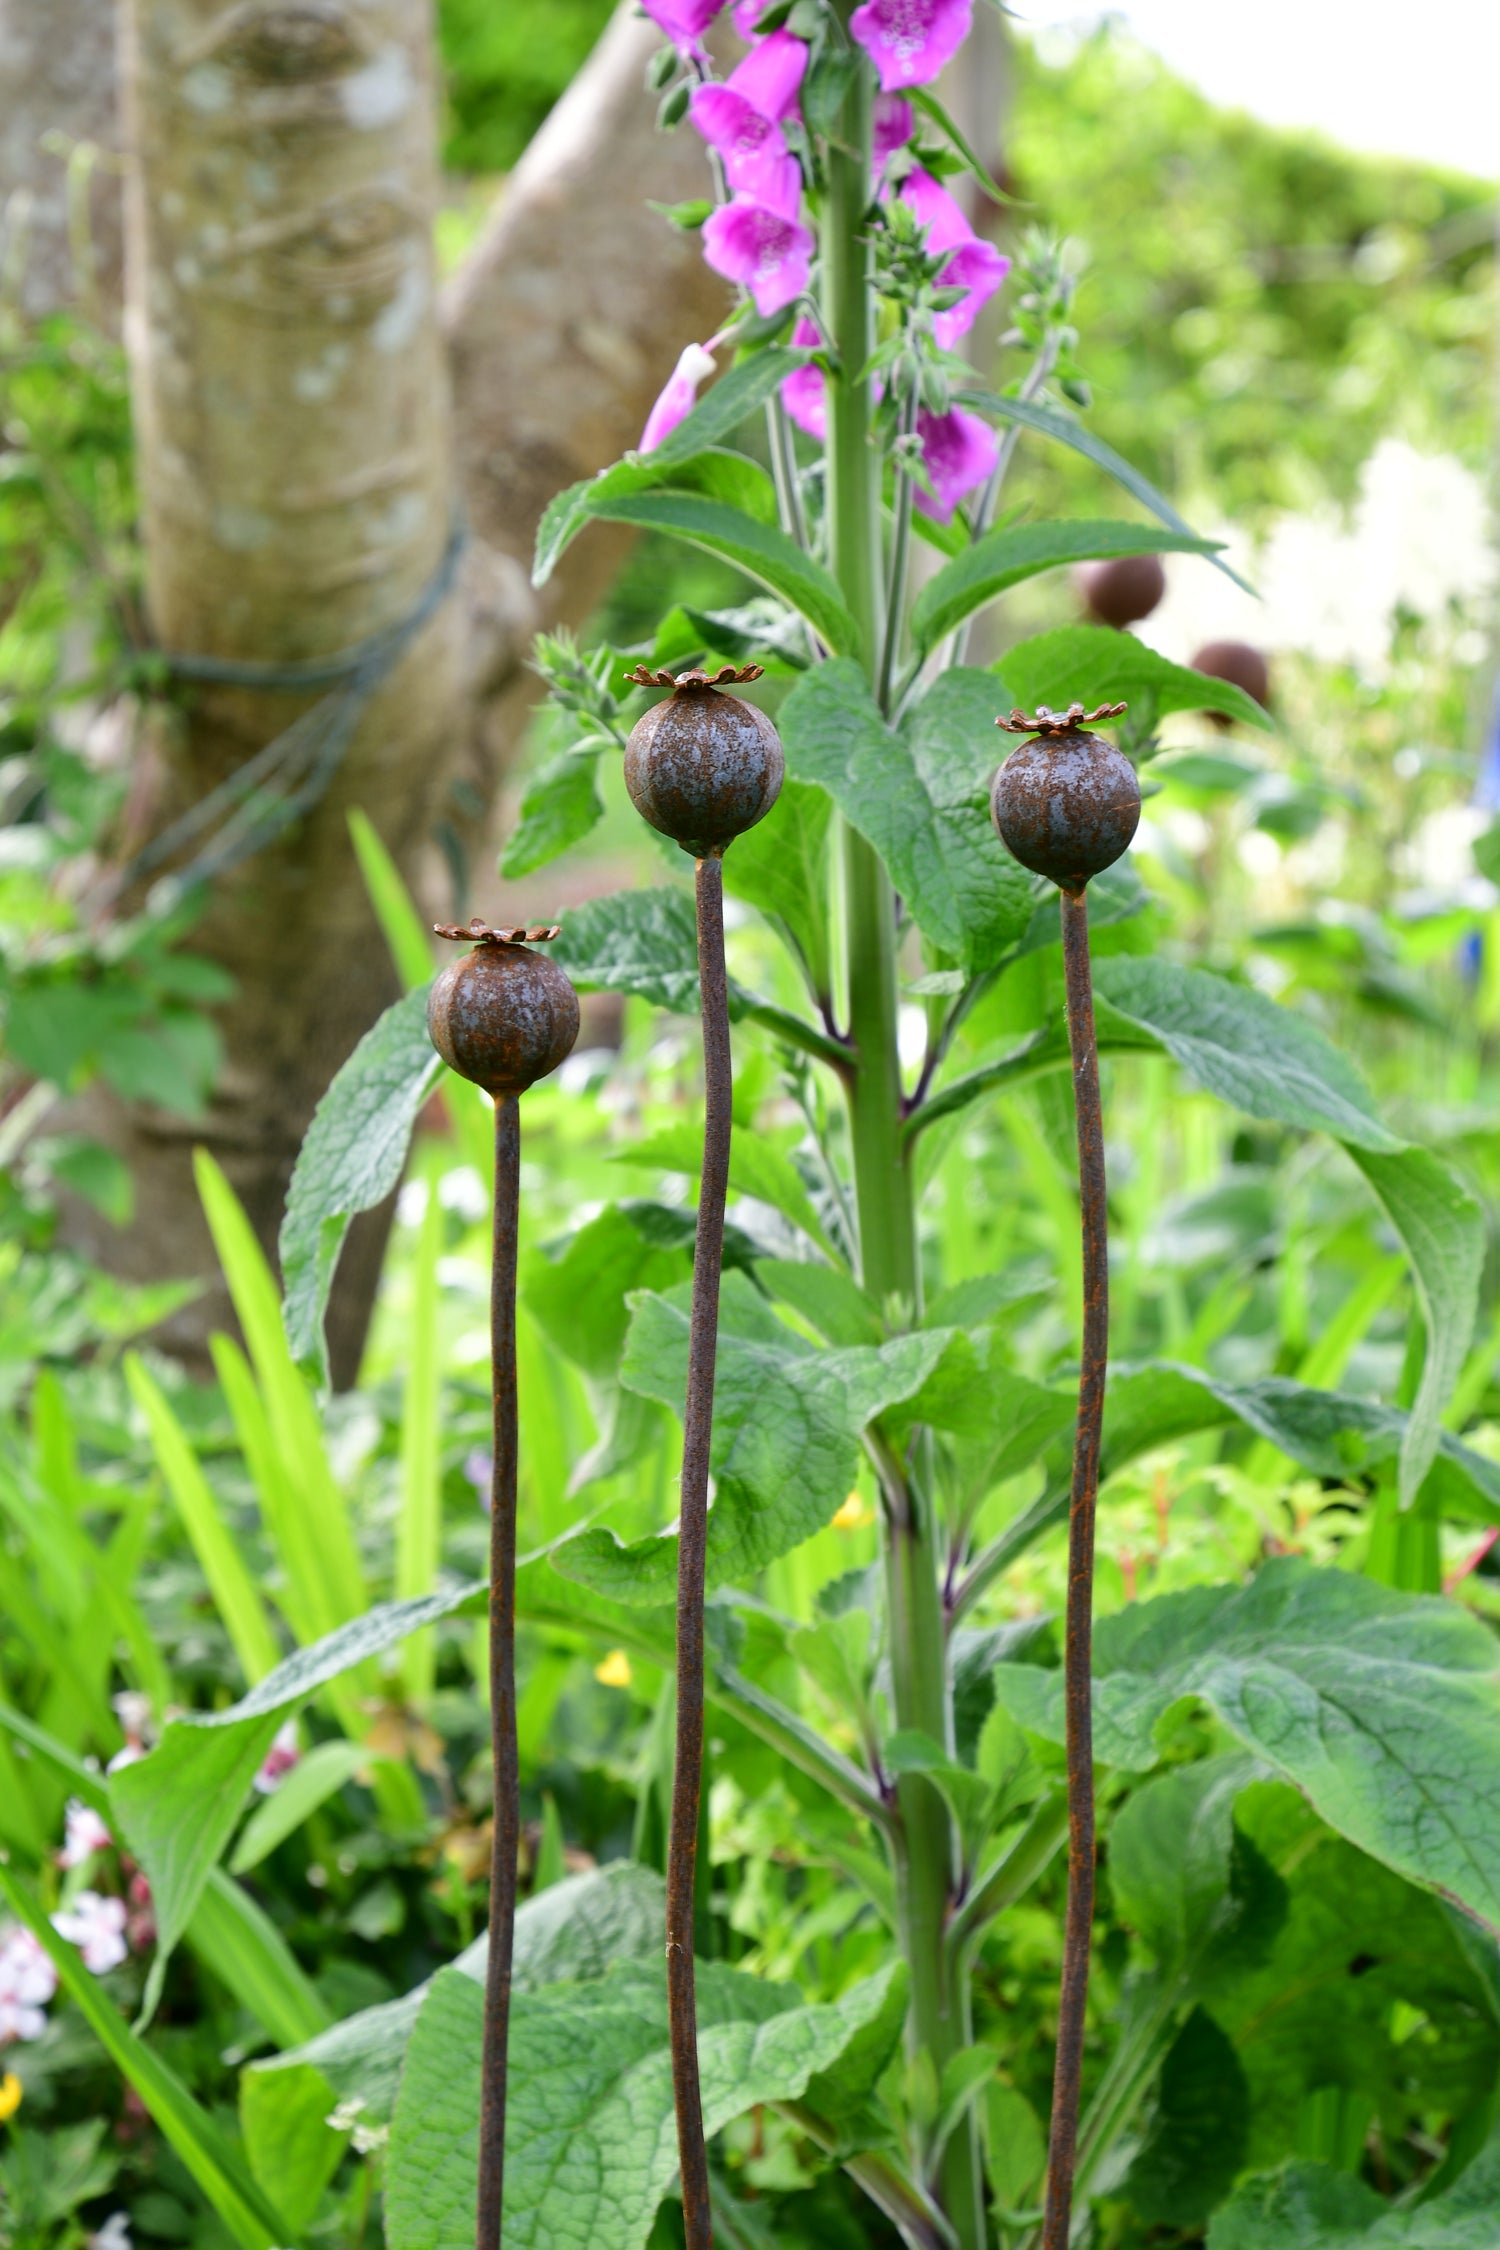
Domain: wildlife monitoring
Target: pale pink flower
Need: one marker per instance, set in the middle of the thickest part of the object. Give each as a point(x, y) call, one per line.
point(762, 244)
point(279, 1760)
point(895, 122)
point(96, 1925)
point(975, 265)
point(960, 451)
point(131, 1755)
point(84, 1833)
point(27, 1982)
point(679, 395)
point(910, 40)
point(803, 391)
point(745, 14)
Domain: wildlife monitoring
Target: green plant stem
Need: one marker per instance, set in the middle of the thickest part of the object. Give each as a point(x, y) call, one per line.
point(924, 1851)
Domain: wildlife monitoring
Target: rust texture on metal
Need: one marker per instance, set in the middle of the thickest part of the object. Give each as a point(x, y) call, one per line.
point(1078, 1648)
point(728, 675)
point(702, 766)
point(687, 1776)
point(1071, 721)
point(502, 1016)
point(502, 1619)
point(476, 932)
point(1066, 803)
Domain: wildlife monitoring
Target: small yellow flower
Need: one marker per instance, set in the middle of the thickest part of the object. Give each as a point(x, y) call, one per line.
point(853, 1515)
point(615, 1669)
point(10, 2096)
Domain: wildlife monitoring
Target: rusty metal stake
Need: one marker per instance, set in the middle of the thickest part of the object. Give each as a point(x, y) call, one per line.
point(1062, 2150)
point(506, 1840)
point(687, 1775)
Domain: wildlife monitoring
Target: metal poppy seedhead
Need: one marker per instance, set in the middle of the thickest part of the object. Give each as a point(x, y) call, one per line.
point(1071, 721)
point(476, 932)
point(728, 675)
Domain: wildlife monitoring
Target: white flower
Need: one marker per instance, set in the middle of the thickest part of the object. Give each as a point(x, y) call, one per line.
point(85, 1834)
point(113, 2235)
point(279, 1760)
point(27, 1982)
point(96, 1925)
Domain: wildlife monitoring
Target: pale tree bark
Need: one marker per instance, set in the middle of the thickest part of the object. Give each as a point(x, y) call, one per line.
point(296, 470)
point(57, 94)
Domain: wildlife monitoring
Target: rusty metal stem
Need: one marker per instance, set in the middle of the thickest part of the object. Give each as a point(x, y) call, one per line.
point(1062, 2152)
point(506, 1769)
point(687, 1776)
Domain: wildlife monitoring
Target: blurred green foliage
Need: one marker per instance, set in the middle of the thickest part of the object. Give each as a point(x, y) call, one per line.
point(506, 66)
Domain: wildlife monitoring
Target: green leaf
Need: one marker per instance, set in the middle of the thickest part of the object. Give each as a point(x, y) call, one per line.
point(590, 2144)
point(1048, 421)
point(351, 1159)
point(787, 1420)
point(1313, 2207)
point(919, 799)
point(781, 867)
point(825, 1296)
point(1094, 664)
point(718, 414)
point(757, 1167)
point(177, 1807)
point(1443, 1231)
point(577, 1290)
point(292, 2149)
point(1002, 1420)
point(761, 550)
point(570, 1933)
point(1328, 1433)
point(1181, 1878)
point(405, 932)
point(967, 1796)
point(1195, 2142)
point(1234, 1042)
point(561, 804)
point(1383, 1709)
point(191, 2132)
point(1018, 551)
point(238, 1941)
point(640, 942)
point(310, 1783)
point(974, 164)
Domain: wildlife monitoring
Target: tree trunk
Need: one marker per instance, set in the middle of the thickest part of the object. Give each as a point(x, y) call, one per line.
point(295, 470)
point(57, 78)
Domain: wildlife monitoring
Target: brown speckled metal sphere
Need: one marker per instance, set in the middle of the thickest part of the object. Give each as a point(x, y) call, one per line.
point(1243, 666)
point(1122, 591)
point(702, 767)
point(503, 1017)
point(1066, 806)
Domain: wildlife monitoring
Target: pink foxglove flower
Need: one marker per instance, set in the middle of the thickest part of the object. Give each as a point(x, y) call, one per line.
point(802, 393)
point(677, 400)
point(761, 242)
point(83, 1835)
point(27, 1982)
point(745, 14)
point(910, 40)
point(279, 1760)
point(742, 117)
point(960, 451)
point(895, 122)
point(975, 265)
point(683, 21)
point(96, 1925)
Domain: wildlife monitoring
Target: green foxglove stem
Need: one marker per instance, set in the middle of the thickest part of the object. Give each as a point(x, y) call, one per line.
point(895, 605)
point(924, 1850)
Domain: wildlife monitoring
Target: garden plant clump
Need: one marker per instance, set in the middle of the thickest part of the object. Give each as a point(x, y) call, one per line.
point(750, 1834)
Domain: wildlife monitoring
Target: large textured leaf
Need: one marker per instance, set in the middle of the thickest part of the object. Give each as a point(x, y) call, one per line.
point(1383, 1709)
point(351, 1159)
point(640, 942)
point(1313, 2207)
point(1048, 421)
point(785, 1445)
point(569, 1934)
point(919, 799)
point(757, 1167)
point(781, 866)
point(1328, 1433)
point(591, 2145)
point(577, 1290)
point(1093, 664)
point(1004, 558)
point(761, 550)
point(1194, 2142)
point(561, 804)
point(716, 417)
point(177, 1807)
